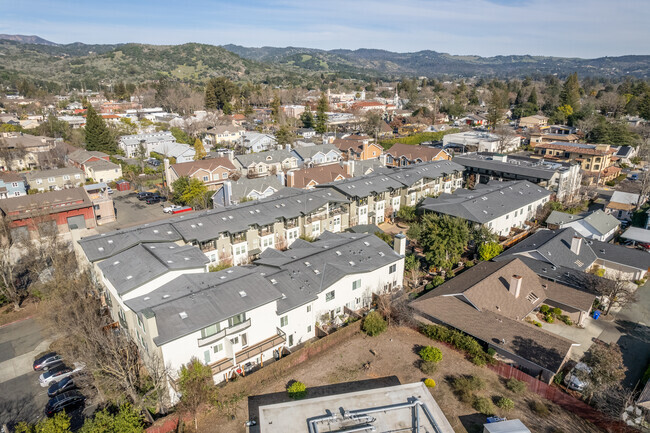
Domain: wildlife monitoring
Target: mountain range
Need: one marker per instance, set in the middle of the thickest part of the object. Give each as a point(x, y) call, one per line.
point(44, 61)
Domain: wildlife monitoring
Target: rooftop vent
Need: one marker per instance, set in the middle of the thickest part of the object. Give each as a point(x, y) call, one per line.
point(351, 263)
point(110, 241)
point(222, 277)
point(166, 296)
point(274, 281)
point(155, 231)
point(100, 248)
point(116, 262)
point(316, 271)
point(242, 293)
point(338, 253)
point(307, 264)
point(128, 277)
point(146, 298)
point(183, 315)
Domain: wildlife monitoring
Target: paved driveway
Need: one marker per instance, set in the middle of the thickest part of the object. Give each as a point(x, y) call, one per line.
point(131, 211)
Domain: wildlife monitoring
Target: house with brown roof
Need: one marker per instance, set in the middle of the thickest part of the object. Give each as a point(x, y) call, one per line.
point(212, 172)
point(23, 151)
point(358, 147)
point(490, 302)
point(534, 121)
point(401, 154)
point(546, 137)
point(308, 178)
point(594, 159)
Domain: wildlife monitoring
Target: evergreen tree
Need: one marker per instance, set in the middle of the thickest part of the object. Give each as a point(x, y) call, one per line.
point(210, 97)
point(284, 135)
point(307, 119)
point(275, 108)
point(199, 150)
point(219, 93)
point(321, 116)
point(496, 107)
point(570, 94)
point(98, 137)
point(533, 97)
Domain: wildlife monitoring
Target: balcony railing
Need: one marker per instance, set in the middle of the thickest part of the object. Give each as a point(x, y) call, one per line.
point(291, 223)
point(266, 231)
point(212, 338)
point(208, 246)
point(239, 327)
point(238, 238)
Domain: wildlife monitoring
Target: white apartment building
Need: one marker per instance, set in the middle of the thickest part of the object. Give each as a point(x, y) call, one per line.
point(482, 141)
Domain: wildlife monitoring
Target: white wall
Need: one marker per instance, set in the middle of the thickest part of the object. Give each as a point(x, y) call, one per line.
point(504, 223)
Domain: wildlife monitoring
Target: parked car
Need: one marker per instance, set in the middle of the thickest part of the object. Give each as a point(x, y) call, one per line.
point(153, 199)
point(47, 361)
point(634, 176)
point(144, 195)
point(577, 381)
point(63, 385)
point(66, 402)
point(58, 373)
point(153, 162)
point(172, 208)
point(109, 190)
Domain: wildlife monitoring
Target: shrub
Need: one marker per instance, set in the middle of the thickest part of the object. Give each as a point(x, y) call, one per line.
point(516, 386)
point(558, 378)
point(428, 367)
point(544, 309)
point(566, 319)
point(430, 383)
point(374, 324)
point(478, 360)
point(539, 408)
point(458, 340)
point(538, 324)
point(491, 351)
point(437, 281)
point(549, 319)
point(505, 403)
point(483, 405)
point(556, 311)
point(297, 390)
point(431, 354)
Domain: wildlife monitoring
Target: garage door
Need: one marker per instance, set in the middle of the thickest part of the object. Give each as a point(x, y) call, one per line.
point(76, 222)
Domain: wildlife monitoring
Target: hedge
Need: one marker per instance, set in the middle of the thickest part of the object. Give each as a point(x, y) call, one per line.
point(460, 341)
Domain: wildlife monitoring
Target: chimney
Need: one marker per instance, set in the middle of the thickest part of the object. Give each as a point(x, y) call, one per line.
point(290, 180)
point(399, 244)
point(515, 285)
point(167, 173)
point(349, 167)
point(576, 242)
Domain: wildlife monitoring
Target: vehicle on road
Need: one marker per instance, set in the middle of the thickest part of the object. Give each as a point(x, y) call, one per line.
point(63, 385)
point(66, 402)
point(109, 190)
point(58, 373)
point(153, 199)
point(47, 361)
point(576, 379)
point(172, 208)
point(144, 195)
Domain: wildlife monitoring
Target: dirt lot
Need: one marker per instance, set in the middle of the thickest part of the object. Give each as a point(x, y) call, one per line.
point(395, 360)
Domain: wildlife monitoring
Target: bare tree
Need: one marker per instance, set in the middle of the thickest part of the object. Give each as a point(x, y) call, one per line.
point(614, 290)
point(643, 152)
point(505, 135)
point(10, 243)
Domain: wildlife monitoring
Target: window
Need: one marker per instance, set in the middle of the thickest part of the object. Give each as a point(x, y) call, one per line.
point(50, 179)
point(530, 206)
point(284, 321)
point(17, 193)
point(392, 269)
point(224, 175)
point(234, 340)
point(140, 324)
point(236, 320)
point(210, 330)
point(244, 340)
point(76, 176)
point(356, 284)
point(309, 308)
point(309, 328)
point(329, 296)
point(39, 181)
point(507, 216)
point(206, 356)
point(358, 301)
point(205, 178)
point(218, 348)
point(14, 184)
point(66, 177)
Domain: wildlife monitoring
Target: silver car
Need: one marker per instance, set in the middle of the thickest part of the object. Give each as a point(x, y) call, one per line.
point(58, 373)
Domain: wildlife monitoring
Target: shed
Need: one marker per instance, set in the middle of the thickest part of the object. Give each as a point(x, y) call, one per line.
point(509, 426)
point(123, 185)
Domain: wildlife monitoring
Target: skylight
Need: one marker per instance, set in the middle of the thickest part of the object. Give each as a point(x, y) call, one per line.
point(116, 262)
point(183, 315)
point(307, 264)
point(242, 293)
point(166, 296)
point(274, 281)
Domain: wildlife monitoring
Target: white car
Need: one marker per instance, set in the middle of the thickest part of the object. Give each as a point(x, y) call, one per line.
point(172, 208)
point(57, 373)
point(572, 381)
point(109, 190)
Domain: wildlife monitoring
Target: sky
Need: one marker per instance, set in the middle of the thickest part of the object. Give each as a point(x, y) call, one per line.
point(567, 28)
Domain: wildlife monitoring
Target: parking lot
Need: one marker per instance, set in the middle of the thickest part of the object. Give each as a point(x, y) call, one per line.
point(131, 211)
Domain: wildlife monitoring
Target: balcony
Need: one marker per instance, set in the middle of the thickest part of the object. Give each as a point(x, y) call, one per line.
point(250, 352)
point(266, 231)
point(239, 327)
point(317, 217)
point(212, 338)
point(292, 223)
point(238, 238)
point(362, 202)
point(337, 211)
point(208, 246)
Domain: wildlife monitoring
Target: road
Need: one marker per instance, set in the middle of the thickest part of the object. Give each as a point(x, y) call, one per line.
point(22, 398)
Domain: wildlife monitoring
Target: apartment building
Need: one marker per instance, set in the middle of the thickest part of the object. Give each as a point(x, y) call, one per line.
point(482, 141)
point(401, 154)
point(161, 294)
point(132, 145)
point(212, 172)
point(592, 157)
point(11, 185)
point(55, 179)
point(23, 151)
point(265, 163)
point(321, 154)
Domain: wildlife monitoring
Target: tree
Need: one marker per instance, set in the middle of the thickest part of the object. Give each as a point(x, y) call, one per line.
point(284, 135)
point(614, 290)
point(372, 121)
point(199, 150)
point(496, 107)
point(97, 135)
point(407, 213)
point(570, 94)
point(321, 115)
point(307, 118)
point(141, 154)
point(10, 243)
point(124, 419)
point(412, 265)
point(607, 367)
point(275, 108)
point(488, 251)
point(532, 98)
point(505, 135)
point(197, 387)
point(219, 94)
point(60, 423)
point(374, 324)
point(443, 239)
point(194, 194)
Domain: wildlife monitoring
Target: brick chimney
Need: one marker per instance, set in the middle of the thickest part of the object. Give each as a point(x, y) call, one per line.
point(576, 242)
point(515, 285)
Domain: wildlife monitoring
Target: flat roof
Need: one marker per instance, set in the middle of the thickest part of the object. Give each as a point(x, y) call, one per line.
point(637, 234)
point(393, 414)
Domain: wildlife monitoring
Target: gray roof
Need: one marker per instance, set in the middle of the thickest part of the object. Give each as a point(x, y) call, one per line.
point(622, 255)
point(268, 157)
point(292, 277)
point(309, 151)
point(486, 202)
point(244, 186)
point(602, 222)
point(55, 172)
point(624, 197)
point(208, 225)
point(143, 263)
point(361, 167)
point(389, 179)
point(637, 234)
point(558, 218)
point(154, 137)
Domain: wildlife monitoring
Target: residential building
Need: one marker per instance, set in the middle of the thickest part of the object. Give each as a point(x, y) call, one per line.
point(623, 204)
point(80, 157)
point(23, 151)
point(401, 154)
point(358, 147)
point(548, 137)
point(102, 201)
point(625, 154)
point(482, 141)
point(562, 178)
point(162, 295)
point(245, 189)
point(597, 225)
point(55, 179)
point(224, 134)
point(75, 122)
point(409, 407)
point(258, 142)
point(319, 154)
point(472, 120)
point(499, 206)
point(560, 129)
point(265, 163)
point(380, 194)
point(133, 145)
point(293, 111)
point(534, 121)
point(212, 172)
point(306, 133)
point(592, 158)
point(67, 209)
point(103, 171)
point(11, 185)
point(565, 249)
point(490, 302)
point(361, 168)
point(308, 178)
